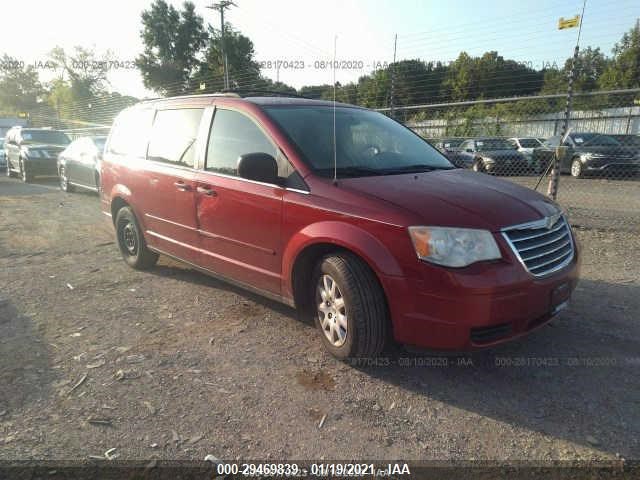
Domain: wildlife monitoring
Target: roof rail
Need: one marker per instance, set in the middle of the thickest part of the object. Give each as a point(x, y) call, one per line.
point(249, 92)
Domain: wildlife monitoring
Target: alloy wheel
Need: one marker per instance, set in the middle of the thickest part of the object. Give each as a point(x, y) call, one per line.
point(332, 311)
point(576, 168)
point(64, 181)
point(130, 238)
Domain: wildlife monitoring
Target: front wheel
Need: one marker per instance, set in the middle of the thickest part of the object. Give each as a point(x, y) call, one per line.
point(65, 186)
point(576, 168)
point(131, 241)
point(478, 166)
point(350, 307)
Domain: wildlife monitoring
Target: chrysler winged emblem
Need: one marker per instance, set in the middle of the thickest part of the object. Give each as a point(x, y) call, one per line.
point(552, 219)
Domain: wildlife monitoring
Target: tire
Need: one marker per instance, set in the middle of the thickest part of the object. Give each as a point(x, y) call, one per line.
point(576, 168)
point(98, 183)
point(131, 241)
point(26, 176)
point(65, 186)
point(478, 166)
point(363, 307)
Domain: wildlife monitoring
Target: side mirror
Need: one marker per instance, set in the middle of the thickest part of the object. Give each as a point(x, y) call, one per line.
point(469, 150)
point(260, 167)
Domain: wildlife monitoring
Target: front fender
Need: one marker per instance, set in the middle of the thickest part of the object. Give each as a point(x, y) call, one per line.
point(344, 235)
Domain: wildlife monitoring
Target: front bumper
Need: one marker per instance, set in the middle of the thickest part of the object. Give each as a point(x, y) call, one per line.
point(612, 166)
point(42, 166)
point(476, 307)
point(508, 167)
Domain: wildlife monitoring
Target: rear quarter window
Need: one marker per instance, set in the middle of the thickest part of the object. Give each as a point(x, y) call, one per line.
point(130, 132)
point(173, 136)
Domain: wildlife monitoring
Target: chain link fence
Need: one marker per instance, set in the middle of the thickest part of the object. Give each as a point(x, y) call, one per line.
point(517, 139)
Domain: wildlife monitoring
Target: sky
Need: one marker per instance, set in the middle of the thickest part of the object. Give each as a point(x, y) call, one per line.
point(303, 32)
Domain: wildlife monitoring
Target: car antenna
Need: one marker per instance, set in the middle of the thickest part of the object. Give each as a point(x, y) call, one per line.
point(335, 154)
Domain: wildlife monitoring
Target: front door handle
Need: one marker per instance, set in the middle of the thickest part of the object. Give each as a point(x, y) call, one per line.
point(182, 186)
point(207, 191)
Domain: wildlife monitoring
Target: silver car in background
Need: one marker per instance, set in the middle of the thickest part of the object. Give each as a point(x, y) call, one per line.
point(3, 157)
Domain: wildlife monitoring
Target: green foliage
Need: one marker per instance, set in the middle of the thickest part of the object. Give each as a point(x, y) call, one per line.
point(86, 71)
point(624, 70)
point(173, 41)
point(20, 88)
point(244, 71)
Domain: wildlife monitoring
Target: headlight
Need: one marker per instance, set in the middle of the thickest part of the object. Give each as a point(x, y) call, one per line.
point(488, 160)
point(453, 247)
point(588, 156)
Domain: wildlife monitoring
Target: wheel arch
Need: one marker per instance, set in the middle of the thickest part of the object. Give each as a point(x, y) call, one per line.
point(308, 246)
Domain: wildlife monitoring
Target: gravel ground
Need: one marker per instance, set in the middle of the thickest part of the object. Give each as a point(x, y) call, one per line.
point(172, 364)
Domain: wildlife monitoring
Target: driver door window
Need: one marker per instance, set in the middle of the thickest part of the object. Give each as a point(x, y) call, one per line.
point(232, 135)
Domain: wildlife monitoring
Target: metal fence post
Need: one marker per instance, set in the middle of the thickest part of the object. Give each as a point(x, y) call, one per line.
point(552, 191)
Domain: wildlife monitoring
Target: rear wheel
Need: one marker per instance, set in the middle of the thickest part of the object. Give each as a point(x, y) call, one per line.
point(350, 307)
point(26, 175)
point(131, 241)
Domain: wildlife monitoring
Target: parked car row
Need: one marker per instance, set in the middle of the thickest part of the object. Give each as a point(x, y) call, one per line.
point(585, 154)
point(34, 152)
point(592, 153)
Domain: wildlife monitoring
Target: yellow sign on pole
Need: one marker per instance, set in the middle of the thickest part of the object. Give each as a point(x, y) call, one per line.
point(568, 22)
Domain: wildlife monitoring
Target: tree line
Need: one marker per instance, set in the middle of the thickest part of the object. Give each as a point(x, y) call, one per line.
point(183, 55)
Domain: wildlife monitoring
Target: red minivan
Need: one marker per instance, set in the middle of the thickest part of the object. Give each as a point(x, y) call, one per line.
point(341, 212)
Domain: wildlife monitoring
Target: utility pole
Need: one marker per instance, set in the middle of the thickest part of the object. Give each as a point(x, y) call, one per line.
point(221, 6)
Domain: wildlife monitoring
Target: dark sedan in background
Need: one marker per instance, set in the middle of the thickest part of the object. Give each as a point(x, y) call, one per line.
point(79, 164)
point(33, 152)
point(590, 153)
point(628, 140)
point(450, 147)
point(490, 155)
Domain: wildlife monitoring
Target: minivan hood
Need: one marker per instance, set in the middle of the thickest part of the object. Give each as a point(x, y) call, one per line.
point(457, 198)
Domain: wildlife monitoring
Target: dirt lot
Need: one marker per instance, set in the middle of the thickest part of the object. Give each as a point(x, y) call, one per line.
point(172, 364)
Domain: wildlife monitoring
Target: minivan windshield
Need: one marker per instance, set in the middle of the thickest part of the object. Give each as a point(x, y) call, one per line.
point(51, 137)
point(366, 142)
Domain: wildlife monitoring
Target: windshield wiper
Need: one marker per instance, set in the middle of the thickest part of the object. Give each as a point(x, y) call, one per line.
point(352, 171)
point(415, 168)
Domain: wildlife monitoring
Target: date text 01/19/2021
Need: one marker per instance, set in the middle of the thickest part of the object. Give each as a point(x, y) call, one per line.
point(314, 469)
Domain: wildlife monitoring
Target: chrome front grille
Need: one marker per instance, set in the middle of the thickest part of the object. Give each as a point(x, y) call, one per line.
point(544, 246)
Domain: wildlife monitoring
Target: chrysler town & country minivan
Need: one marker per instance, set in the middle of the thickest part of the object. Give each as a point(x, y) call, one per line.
point(341, 212)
